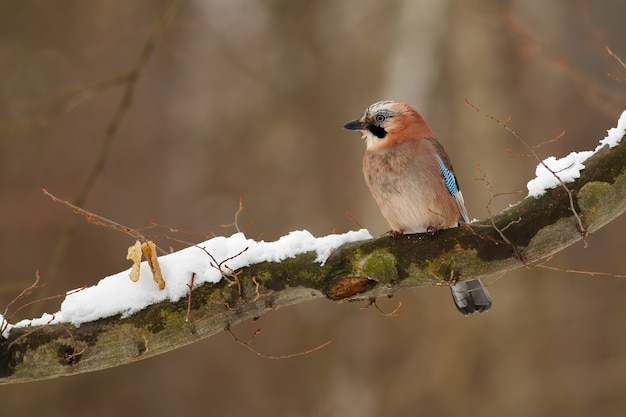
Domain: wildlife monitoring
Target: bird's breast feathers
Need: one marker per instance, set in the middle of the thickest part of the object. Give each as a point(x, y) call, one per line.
point(409, 190)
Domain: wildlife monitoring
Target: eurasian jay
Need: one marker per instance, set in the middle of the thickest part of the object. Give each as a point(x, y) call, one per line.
point(411, 178)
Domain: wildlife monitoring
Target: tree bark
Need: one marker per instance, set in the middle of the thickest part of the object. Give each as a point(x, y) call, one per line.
point(523, 235)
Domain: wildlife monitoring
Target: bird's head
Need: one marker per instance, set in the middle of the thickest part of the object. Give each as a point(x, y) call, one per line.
point(388, 122)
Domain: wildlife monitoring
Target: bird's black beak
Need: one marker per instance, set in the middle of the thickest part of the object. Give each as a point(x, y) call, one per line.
point(356, 125)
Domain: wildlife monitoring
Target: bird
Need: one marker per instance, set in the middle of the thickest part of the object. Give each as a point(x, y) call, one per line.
point(410, 176)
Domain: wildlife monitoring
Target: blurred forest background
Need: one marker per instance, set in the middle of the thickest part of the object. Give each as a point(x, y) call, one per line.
point(246, 98)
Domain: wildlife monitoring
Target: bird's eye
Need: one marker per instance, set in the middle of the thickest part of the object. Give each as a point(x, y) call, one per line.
point(380, 118)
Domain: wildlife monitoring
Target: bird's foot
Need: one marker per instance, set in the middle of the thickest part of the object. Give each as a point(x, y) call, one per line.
point(396, 233)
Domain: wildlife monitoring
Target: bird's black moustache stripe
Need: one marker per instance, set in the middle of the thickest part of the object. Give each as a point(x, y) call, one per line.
point(377, 131)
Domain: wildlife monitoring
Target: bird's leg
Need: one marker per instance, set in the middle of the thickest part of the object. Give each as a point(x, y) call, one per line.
point(396, 233)
point(431, 230)
point(453, 279)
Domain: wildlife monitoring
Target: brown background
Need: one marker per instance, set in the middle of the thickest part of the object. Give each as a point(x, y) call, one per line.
point(246, 99)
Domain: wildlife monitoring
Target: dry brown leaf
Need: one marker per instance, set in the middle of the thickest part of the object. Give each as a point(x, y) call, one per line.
point(134, 254)
point(149, 250)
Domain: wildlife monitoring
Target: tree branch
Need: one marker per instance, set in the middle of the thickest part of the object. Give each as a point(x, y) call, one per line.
point(523, 235)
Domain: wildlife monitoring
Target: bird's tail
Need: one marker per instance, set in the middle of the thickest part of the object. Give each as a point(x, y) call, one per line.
point(471, 296)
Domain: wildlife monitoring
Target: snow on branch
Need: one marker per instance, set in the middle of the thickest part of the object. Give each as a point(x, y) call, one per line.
point(552, 171)
point(118, 294)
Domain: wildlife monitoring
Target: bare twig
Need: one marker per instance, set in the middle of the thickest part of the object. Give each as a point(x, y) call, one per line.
point(373, 302)
point(292, 355)
point(26, 292)
point(101, 221)
point(491, 217)
point(29, 332)
point(503, 123)
point(176, 229)
point(190, 286)
point(539, 145)
point(351, 217)
point(237, 213)
point(74, 357)
point(619, 60)
point(575, 271)
point(259, 294)
point(145, 348)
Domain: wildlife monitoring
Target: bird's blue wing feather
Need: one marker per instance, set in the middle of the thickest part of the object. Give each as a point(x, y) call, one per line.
point(453, 187)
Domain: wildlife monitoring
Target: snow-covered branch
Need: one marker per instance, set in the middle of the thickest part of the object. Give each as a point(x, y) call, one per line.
point(119, 321)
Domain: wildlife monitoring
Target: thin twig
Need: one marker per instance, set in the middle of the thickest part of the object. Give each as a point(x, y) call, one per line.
point(190, 286)
point(351, 217)
point(102, 221)
point(488, 207)
point(292, 355)
point(257, 286)
point(237, 213)
point(26, 292)
point(29, 332)
point(373, 302)
point(575, 271)
point(619, 60)
point(503, 123)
